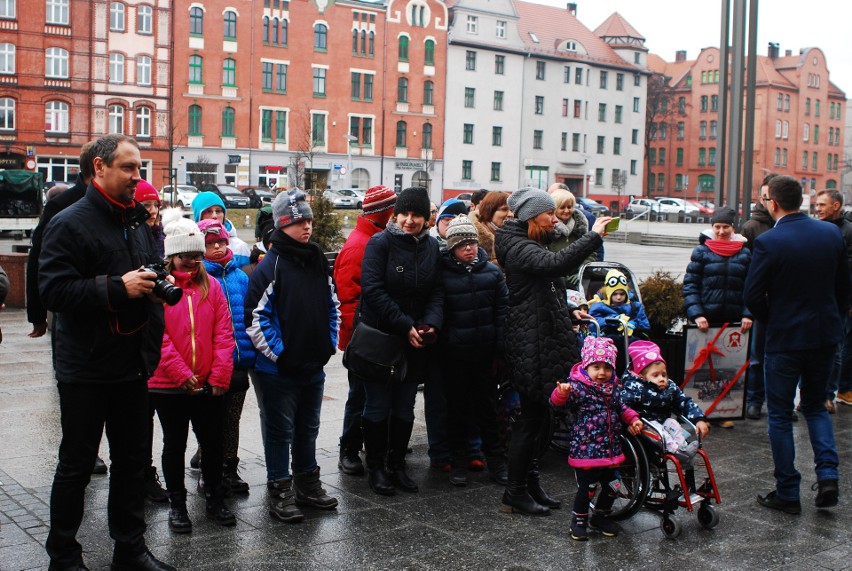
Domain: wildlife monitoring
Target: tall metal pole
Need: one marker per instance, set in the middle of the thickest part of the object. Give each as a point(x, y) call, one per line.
point(735, 145)
point(748, 155)
point(724, 51)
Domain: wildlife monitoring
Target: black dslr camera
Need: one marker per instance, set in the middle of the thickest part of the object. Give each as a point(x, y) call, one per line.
point(163, 289)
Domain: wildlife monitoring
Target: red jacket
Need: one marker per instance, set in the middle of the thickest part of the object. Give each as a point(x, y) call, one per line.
point(347, 275)
point(199, 339)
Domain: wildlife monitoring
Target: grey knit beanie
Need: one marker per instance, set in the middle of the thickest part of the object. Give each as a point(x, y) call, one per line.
point(723, 215)
point(290, 207)
point(527, 203)
point(461, 231)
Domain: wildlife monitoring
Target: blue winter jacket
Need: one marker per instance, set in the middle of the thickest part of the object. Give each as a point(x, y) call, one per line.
point(645, 398)
point(713, 285)
point(634, 310)
point(235, 285)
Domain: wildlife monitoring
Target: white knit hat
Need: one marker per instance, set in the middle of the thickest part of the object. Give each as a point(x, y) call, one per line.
point(182, 234)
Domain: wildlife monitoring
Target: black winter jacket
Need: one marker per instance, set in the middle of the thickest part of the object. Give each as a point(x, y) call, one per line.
point(475, 303)
point(540, 344)
point(713, 285)
point(759, 223)
point(100, 335)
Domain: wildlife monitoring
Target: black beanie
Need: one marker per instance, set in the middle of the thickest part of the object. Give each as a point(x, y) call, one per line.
point(414, 199)
point(723, 215)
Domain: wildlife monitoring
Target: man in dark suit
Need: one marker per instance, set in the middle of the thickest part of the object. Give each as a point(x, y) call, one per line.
point(798, 285)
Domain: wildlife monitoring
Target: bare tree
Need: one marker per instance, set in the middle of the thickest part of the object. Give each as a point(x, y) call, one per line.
point(661, 113)
point(202, 172)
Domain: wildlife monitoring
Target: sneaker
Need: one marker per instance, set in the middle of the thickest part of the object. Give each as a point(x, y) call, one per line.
point(579, 531)
point(753, 412)
point(844, 397)
point(826, 493)
point(772, 501)
point(606, 526)
point(350, 463)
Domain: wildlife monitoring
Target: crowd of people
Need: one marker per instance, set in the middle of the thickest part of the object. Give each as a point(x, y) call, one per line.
point(158, 314)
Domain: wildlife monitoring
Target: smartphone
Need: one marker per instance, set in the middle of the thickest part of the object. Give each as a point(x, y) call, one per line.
point(612, 225)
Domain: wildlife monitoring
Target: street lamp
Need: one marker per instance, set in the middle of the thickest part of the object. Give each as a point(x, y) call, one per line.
point(349, 140)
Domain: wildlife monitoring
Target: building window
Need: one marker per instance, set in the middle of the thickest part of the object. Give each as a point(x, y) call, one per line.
point(372, 43)
point(662, 156)
point(230, 21)
point(196, 21)
point(498, 101)
point(777, 157)
point(281, 77)
point(636, 105)
point(56, 63)
point(7, 59)
point(116, 17)
point(228, 122)
point(816, 108)
point(7, 114)
point(429, 52)
point(604, 78)
point(266, 76)
point(681, 105)
point(814, 157)
point(637, 81)
point(470, 60)
point(283, 33)
point(500, 30)
point(318, 129)
point(601, 144)
point(578, 108)
point(402, 90)
point(702, 157)
point(578, 76)
point(652, 156)
point(319, 81)
point(196, 69)
point(356, 86)
point(616, 145)
point(56, 117)
point(599, 177)
point(565, 106)
point(467, 170)
point(633, 167)
point(661, 182)
point(497, 136)
point(427, 136)
point(619, 82)
point(428, 92)
point(57, 13)
point(266, 124)
point(320, 43)
point(194, 121)
point(634, 137)
point(368, 87)
point(144, 19)
point(470, 96)
point(401, 132)
point(7, 9)
point(281, 126)
point(116, 68)
point(116, 119)
point(806, 131)
point(495, 172)
point(681, 129)
point(499, 65)
point(540, 67)
point(601, 112)
point(472, 25)
point(702, 130)
point(143, 70)
point(143, 122)
point(575, 142)
point(229, 72)
point(467, 138)
point(403, 48)
point(564, 145)
point(786, 103)
point(537, 137)
point(539, 105)
point(618, 113)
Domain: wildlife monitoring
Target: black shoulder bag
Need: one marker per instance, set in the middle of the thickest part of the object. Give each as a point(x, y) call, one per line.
point(375, 355)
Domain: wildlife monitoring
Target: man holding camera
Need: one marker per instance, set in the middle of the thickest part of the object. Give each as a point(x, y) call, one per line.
point(107, 336)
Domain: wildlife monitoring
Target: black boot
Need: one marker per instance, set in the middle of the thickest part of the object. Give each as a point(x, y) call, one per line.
point(400, 434)
point(153, 489)
point(179, 521)
point(579, 527)
point(143, 561)
point(376, 445)
point(309, 491)
point(517, 499)
point(282, 501)
point(216, 508)
point(350, 462)
point(231, 477)
point(498, 471)
point(535, 489)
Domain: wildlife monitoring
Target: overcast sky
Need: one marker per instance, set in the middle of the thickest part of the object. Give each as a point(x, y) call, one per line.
point(671, 25)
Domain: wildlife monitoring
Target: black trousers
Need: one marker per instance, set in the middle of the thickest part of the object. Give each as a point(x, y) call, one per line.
point(586, 479)
point(206, 413)
point(527, 434)
point(86, 408)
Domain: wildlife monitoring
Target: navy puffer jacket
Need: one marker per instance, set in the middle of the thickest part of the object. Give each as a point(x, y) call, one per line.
point(475, 303)
point(540, 343)
point(713, 285)
point(235, 285)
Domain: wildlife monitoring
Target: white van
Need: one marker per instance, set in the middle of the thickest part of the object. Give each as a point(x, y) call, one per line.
point(181, 196)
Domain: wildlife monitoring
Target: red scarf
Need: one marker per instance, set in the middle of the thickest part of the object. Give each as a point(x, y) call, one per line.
point(223, 261)
point(724, 248)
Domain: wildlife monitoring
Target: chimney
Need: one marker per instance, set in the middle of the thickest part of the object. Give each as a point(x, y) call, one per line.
point(572, 8)
point(773, 50)
point(680, 55)
point(788, 53)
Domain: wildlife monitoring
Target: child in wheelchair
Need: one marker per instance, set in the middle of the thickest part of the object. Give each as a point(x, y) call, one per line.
point(591, 393)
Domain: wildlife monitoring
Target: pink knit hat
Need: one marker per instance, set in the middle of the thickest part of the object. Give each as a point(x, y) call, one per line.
point(212, 230)
point(642, 354)
point(598, 350)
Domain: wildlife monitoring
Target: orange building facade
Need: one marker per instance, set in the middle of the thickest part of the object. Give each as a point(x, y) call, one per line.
point(308, 93)
point(799, 125)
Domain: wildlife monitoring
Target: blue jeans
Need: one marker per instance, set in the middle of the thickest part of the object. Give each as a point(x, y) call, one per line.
point(384, 400)
point(290, 409)
point(840, 380)
point(783, 372)
point(756, 392)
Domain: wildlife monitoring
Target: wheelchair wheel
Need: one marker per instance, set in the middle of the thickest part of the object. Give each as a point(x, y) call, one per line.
point(635, 479)
point(708, 517)
point(671, 527)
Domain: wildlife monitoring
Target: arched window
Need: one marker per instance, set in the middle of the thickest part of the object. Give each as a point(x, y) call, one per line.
point(274, 30)
point(428, 92)
point(401, 129)
point(194, 120)
point(56, 117)
point(228, 122)
point(116, 17)
point(196, 21)
point(427, 136)
point(420, 178)
point(403, 48)
point(116, 68)
point(229, 72)
point(430, 52)
point(402, 90)
point(56, 63)
point(230, 31)
point(7, 114)
point(266, 29)
point(144, 19)
point(360, 178)
point(354, 42)
point(143, 70)
point(196, 66)
point(363, 42)
point(143, 122)
point(320, 37)
point(282, 40)
point(372, 43)
point(116, 119)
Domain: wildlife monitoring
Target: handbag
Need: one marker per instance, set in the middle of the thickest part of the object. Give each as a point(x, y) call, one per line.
point(375, 355)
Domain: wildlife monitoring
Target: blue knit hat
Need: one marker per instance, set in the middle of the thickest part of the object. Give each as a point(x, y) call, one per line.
point(203, 201)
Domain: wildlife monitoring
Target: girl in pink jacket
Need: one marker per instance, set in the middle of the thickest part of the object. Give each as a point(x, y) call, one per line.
point(193, 374)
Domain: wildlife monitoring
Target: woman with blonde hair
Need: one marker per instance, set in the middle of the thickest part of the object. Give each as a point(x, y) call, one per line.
point(492, 212)
point(571, 226)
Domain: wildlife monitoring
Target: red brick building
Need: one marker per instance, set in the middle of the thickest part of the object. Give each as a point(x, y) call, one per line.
point(73, 70)
point(799, 125)
point(282, 93)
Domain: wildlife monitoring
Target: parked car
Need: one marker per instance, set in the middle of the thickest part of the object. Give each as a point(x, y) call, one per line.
point(703, 209)
point(639, 206)
point(677, 205)
point(338, 200)
point(358, 195)
point(593, 206)
point(259, 196)
point(181, 196)
point(229, 194)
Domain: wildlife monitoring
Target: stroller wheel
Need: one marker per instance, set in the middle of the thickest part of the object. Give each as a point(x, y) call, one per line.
point(708, 517)
point(671, 527)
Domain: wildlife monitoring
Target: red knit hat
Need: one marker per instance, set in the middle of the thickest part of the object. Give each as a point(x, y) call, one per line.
point(146, 191)
point(378, 199)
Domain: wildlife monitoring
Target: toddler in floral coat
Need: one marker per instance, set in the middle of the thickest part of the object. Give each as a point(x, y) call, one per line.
point(592, 394)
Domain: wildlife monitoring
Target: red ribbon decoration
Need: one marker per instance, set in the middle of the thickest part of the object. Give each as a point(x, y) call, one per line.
point(707, 353)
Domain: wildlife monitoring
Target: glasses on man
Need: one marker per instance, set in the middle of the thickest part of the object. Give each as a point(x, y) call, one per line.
point(766, 199)
point(194, 257)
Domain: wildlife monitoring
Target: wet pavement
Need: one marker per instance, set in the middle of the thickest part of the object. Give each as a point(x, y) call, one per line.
point(439, 528)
